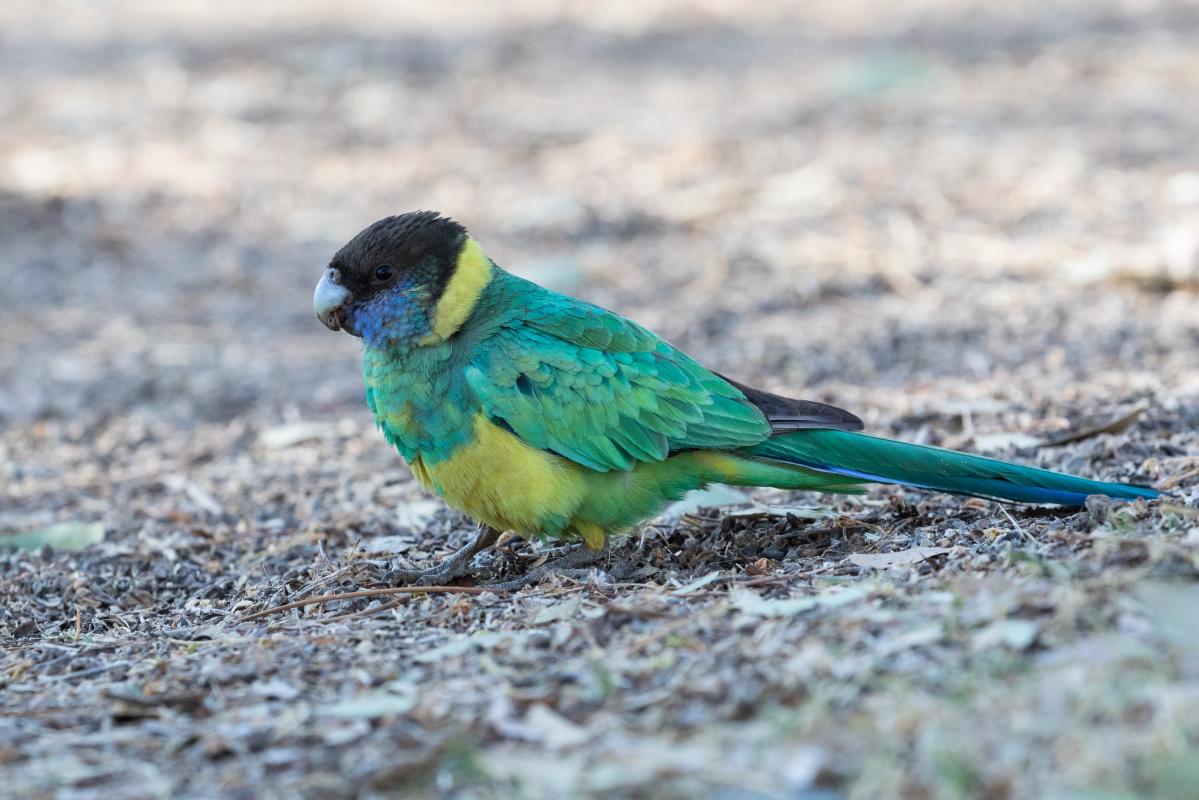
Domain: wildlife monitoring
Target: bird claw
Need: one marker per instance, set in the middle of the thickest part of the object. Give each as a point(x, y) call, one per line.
point(453, 566)
point(422, 577)
point(458, 564)
point(580, 557)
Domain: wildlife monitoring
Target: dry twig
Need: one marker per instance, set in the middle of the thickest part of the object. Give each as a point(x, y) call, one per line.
point(386, 590)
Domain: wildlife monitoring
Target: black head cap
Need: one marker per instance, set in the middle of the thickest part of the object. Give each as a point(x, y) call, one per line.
point(422, 241)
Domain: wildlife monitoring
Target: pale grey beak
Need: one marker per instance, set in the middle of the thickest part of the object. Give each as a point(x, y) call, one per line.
point(329, 300)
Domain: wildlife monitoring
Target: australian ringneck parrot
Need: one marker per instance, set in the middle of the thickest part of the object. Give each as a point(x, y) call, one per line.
point(540, 414)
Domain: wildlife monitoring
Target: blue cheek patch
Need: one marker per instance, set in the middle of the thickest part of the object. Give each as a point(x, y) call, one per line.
point(396, 316)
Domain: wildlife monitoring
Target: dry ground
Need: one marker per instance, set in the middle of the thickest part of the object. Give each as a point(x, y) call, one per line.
point(972, 223)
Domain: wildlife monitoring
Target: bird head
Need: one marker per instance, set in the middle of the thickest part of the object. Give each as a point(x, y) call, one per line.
point(410, 280)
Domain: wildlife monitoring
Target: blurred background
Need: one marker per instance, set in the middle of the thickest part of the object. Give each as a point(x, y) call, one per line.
point(965, 221)
point(809, 195)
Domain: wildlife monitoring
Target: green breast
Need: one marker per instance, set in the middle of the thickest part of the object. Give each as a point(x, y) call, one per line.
point(419, 400)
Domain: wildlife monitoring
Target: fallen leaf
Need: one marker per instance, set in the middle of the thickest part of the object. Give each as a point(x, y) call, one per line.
point(561, 610)
point(388, 544)
point(1114, 426)
point(463, 645)
point(754, 605)
point(799, 512)
point(553, 729)
point(917, 637)
point(991, 442)
point(898, 558)
point(196, 493)
point(275, 689)
point(64, 536)
point(384, 702)
point(697, 584)
point(415, 515)
point(715, 496)
point(283, 436)
point(1014, 634)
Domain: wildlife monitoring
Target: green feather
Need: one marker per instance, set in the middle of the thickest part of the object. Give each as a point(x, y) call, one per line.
point(888, 461)
point(603, 407)
point(648, 421)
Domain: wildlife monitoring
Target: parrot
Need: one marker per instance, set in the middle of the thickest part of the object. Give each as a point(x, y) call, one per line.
point(557, 420)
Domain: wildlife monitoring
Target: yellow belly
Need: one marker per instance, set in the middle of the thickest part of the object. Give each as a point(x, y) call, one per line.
point(505, 483)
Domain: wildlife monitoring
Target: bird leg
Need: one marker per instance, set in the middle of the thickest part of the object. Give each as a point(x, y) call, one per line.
point(580, 556)
point(454, 565)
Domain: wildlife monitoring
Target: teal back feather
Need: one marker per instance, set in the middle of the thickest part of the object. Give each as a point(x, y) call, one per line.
point(598, 389)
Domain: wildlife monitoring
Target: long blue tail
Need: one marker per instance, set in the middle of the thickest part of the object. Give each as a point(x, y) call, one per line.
point(869, 458)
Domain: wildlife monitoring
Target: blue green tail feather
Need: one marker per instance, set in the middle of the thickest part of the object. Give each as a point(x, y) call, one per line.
point(869, 458)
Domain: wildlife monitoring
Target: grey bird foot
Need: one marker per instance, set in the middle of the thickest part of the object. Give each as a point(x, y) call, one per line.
point(453, 566)
point(580, 556)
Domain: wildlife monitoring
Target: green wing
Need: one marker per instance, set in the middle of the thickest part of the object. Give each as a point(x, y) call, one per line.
point(572, 378)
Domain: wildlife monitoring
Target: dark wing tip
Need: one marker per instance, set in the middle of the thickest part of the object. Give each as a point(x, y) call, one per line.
point(786, 414)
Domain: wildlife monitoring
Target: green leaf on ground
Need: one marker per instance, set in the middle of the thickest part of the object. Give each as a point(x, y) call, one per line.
point(63, 536)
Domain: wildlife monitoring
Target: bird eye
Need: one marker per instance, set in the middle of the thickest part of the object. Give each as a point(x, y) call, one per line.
point(383, 272)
